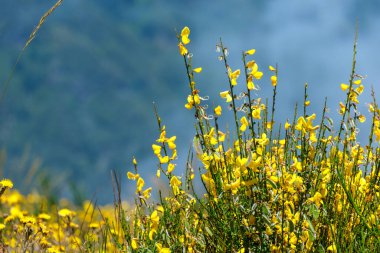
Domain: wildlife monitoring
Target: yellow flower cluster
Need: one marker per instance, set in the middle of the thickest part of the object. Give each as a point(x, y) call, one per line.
point(32, 224)
point(299, 186)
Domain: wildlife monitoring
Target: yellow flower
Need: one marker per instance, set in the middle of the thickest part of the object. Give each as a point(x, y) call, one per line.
point(66, 213)
point(233, 76)
point(317, 199)
point(182, 49)
point(134, 243)
point(250, 52)
point(218, 110)
point(164, 159)
point(332, 248)
point(256, 113)
point(132, 176)
point(244, 124)
point(146, 193)
point(6, 183)
point(344, 86)
point(255, 70)
point(174, 181)
point(197, 70)
point(226, 95)
point(94, 225)
point(250, 84)
point(171, 143)
point(154, 217)
point(287, 125)
point(44, 216)
point(156, 149)
point(185, 35)
point(161, 249)
point(271, 68)
point(140, 184)
point(274, 80)
point(171, 167)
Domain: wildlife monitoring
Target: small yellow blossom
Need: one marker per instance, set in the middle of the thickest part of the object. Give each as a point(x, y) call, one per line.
point(6, 183)
point(218, 110)
point(250, 52)
point(132, 176)
point(274, 80)
point(140, 184)
point(344, 86)
point(182, 49)
point(233, 76)
point(66, 213)
point(226, 95)
point(185, 35)
point(197, 70)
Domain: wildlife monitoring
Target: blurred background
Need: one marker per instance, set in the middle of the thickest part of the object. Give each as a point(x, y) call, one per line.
point(80, 103)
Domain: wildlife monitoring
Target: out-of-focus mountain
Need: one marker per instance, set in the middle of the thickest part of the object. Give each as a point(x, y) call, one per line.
point(81, 97)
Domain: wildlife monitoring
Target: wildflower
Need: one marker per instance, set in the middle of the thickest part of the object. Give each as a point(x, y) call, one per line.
point(256, 113)
point(156, 149)
point(255, 71)
point(218, 110)
point(171, 167)
point(175, 183)
point(332, 248)
point(132, 176)
point(250, 84)
point(171, 143)
point(140, 184)
point(146, 193)
point(161, 249)
point(164, 159)
point(287, 125)
point(233, 75)
point(344, 86)
point(271, 68)
point(197, 70)
point(44, 216)
point(250, 52)
point(317, 199)
point(226, 95)
point(244, 124)
point(182, 49)
point(6, 183)
point(185, 35)
point(94, 225)
point(134, 244)
point(274, 80)
point(66, 213)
